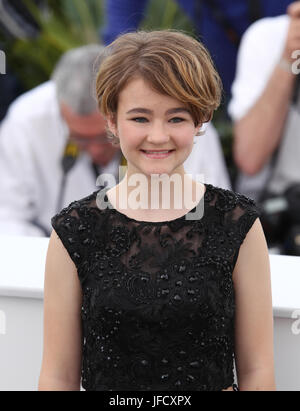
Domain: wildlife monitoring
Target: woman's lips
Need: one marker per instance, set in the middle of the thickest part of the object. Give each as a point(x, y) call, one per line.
point(157, 154)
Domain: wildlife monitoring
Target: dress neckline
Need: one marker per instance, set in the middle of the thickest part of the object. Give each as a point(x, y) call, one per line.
point(125, 217)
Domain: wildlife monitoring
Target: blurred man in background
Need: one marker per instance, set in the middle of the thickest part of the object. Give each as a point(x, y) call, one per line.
point(53, 145)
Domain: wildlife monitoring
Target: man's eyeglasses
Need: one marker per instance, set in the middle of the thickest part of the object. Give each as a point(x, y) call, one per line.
point(82, 141)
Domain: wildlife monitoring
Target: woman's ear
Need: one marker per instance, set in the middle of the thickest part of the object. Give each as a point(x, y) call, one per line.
point(112, 130)
point(199, 128)
point(111, 123)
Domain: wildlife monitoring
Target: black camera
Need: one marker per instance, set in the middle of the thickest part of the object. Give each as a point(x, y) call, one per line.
point(281, 220)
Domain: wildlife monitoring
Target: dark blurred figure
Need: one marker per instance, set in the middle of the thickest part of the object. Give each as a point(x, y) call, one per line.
point(15, 22)
point(10, 89)
point(220, 23)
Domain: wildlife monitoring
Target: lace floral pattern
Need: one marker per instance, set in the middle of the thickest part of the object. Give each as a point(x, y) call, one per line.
point(158, 297)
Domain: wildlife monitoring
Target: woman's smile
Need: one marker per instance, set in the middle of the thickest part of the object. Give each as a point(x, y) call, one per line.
point(155, 154)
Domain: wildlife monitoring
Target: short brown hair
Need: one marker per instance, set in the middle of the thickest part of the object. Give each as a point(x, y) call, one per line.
point(172, 62)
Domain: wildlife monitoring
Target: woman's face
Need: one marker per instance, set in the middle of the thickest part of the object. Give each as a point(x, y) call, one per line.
point(147, 120)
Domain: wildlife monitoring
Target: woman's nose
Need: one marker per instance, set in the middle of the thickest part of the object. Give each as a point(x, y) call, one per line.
point(158, 134)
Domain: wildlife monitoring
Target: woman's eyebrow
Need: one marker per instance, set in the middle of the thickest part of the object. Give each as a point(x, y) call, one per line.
point(139, 110)
point(147, 111)
point(178, 110)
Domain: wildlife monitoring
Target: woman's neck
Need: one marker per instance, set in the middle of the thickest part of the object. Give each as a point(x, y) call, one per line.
point(157, 196)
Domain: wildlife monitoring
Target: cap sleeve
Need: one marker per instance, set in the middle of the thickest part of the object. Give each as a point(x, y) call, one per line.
point(243, 217)
point(68, 225)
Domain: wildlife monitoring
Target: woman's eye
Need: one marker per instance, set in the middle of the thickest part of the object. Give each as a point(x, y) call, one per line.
point(139, 119)
point(176, 120)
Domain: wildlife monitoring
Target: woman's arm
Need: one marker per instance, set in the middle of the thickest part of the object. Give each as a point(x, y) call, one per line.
point(61, 362)
point(254, 314)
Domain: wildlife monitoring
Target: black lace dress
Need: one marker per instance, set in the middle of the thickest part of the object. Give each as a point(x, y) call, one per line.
point(158, 297)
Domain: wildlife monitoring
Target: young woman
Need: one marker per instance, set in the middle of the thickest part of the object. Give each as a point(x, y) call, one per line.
point(155, 297)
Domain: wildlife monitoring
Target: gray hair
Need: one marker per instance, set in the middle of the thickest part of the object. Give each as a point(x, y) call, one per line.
point(74, 77)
